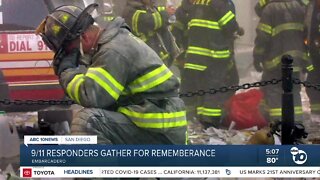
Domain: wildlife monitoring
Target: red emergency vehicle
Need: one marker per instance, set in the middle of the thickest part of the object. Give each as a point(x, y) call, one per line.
point(25, 61)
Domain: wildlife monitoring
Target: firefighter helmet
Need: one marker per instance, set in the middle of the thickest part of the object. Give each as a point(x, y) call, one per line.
point(64, 24)
point(105, 6)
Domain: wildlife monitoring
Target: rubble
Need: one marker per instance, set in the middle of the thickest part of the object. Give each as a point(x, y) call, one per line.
point(214, 136)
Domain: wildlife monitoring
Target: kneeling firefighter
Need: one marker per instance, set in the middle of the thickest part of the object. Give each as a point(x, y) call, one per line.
point(129, 95)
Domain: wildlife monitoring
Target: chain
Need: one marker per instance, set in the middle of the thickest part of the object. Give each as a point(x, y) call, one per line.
point(189, 94)
point(307, 84)
point(231, 88)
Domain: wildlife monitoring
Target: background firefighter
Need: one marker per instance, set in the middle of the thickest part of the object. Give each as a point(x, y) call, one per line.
point(129, 95)
point(314, 50)
point(281, 31)
point(233, 74)
point(105, 11)
point(180, 29)
point(260, 6)
point(263, 3)
point(150, 23)
point(208, 58)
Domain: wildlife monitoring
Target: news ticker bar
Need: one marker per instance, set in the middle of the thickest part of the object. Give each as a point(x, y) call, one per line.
point(169, 155)
point(169, 172)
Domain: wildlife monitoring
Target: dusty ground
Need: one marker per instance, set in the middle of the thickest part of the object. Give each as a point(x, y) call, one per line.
point(211, 136)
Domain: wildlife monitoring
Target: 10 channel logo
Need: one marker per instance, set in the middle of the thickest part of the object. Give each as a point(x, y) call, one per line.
point(298, 156)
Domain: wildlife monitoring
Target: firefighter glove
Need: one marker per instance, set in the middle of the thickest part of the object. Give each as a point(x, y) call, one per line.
point(258, 66)
point(67, 61)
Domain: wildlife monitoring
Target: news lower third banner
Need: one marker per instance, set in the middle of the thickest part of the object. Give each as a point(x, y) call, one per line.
point(72, 156)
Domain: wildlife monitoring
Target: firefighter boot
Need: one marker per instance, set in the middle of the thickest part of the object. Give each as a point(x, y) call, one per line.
point(191, 113)
point(210, 122)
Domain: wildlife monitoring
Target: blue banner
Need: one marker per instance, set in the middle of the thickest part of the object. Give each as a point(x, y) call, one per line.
point(169, 155)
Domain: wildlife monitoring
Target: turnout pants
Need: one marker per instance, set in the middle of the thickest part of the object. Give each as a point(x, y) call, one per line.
point(314, 78)
point(273, 96)
point(208, 107)
point(116, 128)
point(233, 78)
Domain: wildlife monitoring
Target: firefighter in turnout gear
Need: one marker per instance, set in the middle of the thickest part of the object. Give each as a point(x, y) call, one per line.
point(150, 23)
point(129, 95)
point(208, 58)
point(233, 75)
point(263, 3)
point(314, 50)
point(260, 5)
point(180, 27)
point(105, 11)
point(281, 31)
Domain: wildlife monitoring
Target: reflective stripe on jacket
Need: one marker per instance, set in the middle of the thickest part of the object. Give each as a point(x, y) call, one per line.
point(122, 69)
point(152, 27)
point(281, 31)
point(212, 24)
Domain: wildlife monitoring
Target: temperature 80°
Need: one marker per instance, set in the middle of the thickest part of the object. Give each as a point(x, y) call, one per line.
point(272, 160)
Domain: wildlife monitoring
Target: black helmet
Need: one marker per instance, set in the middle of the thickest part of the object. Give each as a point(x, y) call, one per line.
point(64, 24)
